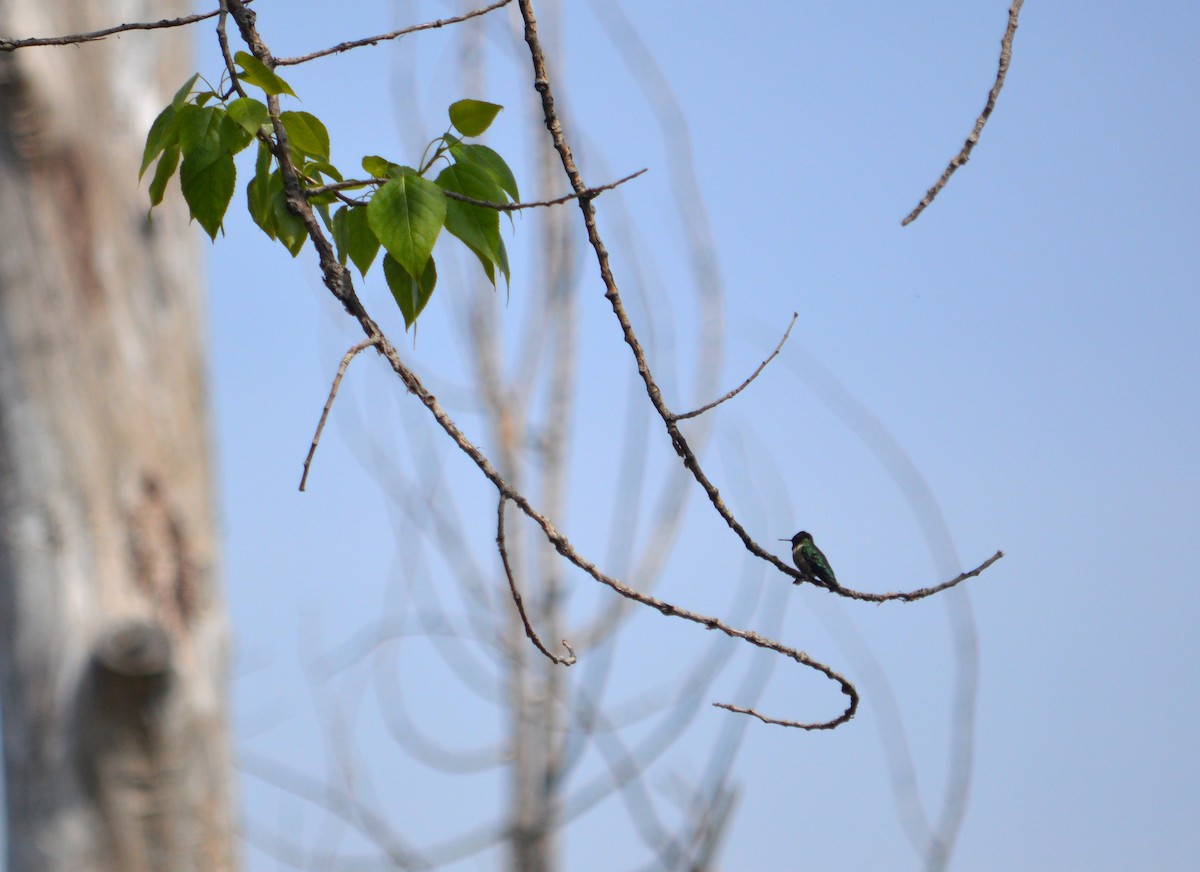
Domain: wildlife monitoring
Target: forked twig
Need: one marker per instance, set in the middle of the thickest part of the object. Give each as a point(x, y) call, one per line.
point(487, 204)
point(333, 389)
point(964, 155)
point(588, 194)
point(733, 393)
point(516, 594)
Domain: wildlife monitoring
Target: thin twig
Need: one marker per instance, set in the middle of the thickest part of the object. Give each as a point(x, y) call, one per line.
point(733, 393)
point(383, 37)
point(913, 595)
point(587, 194)
point(223, 42)
point(965, 154)
point(333, 389)
point(487, 204)
point(93, 36)
point(516, 594)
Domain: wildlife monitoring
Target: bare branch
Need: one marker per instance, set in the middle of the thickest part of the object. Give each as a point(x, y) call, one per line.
point(733, 393)
point(333, 389)
point(383, 37)
point(93, 36)
point(541, 83)
point(516, 595)
point(964, 155)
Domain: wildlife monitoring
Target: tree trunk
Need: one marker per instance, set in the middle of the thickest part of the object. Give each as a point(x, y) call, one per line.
point(112, 624)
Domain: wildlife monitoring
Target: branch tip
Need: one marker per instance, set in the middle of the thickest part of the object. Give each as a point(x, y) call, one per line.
point(964, 153)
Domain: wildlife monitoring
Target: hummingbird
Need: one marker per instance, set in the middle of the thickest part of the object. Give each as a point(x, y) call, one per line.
point(811, 562)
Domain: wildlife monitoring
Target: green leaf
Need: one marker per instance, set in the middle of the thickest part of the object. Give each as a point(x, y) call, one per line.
point(375, 166)
point(255, 72)
point(208, 188)
point(354, 237)
point(182, 94)
point(410, 295)
point(250, 114)
point(406, 216)
point(474, 181)
point(200, 135)
point(162, 173)
point(163, 132)
point(258, 192)
point(314, 168)
point(322, 211)
point(340, 233)
point(306, 134)
point(477, 226)
point(482, 156)
point(288, 227)
point(502, 262)
point(382, 168)
point(233, 136)
point(473, 117)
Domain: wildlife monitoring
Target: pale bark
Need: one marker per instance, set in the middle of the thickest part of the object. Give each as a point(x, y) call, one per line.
point(112, 624)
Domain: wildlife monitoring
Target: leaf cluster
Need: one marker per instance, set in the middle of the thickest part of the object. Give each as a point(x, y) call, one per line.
point(399, 208)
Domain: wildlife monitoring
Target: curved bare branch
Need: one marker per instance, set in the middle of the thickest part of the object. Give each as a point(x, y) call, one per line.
point(570, 659)
point(965, 153)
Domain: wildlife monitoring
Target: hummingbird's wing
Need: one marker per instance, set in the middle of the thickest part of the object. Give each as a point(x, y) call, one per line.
point(821, 568)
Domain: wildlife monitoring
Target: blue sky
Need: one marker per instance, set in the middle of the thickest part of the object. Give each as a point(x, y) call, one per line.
point(1029, 343)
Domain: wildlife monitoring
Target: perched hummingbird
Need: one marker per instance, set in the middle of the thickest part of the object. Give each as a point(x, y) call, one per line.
point(811, 562)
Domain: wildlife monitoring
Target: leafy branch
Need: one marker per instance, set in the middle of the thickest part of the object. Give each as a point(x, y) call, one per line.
point(290, 196)
point(201, 131)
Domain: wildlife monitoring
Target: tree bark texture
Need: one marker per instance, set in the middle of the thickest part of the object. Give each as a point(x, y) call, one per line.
point(112, 624)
